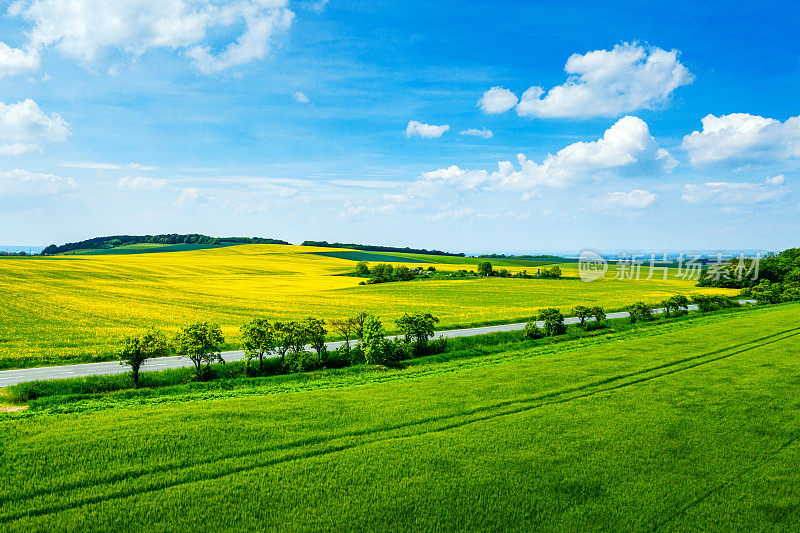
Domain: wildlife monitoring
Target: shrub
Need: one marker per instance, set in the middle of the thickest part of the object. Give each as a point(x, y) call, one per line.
point(552, 272)
point(675, 305)
point(598, 313)
point(382, 272)
point(594, 326)
point(712, 303)
point(533, 331)
point(403, 273)
point(302, 361)
point(553, 321)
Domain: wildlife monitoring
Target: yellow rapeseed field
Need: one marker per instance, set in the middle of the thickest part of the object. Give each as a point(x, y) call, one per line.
point(78, 308)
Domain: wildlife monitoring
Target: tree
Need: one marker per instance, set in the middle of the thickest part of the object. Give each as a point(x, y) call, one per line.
point(403, 273)
point(346, 327)
point(554, 272)
point(362, 268)
point(282, 339)
point(360, 318)
point(640, 311)
point(258, 340)
point(553, 321)
point(315, 334)
point(377, 349)
point(582, 312)
point(679, 304)
point(382, 272)
point(140, 348)
point(598, 313)
point(485, 268)
point(201, 343)
point(418, 327)
point(295, 336)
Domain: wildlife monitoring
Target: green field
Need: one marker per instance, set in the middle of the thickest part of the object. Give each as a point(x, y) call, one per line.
point(79, 308)
point(684, 425)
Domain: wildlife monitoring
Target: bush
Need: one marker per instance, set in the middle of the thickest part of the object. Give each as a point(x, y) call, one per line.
point(417, 328)
point(532, 331)
point(552, 273)
point(381, 273)
point(712, 303)
point(553, 322)
point(594, 326)
point(302, 361)
point(403, 273)
point(485, 268)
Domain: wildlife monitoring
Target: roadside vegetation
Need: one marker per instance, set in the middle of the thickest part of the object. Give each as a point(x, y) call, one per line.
point(696, 414)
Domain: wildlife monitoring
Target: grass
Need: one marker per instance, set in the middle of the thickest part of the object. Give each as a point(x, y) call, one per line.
point(78, 308)
point(672, 426)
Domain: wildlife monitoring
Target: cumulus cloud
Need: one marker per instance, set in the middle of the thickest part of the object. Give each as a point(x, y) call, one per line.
point(85, 29)
point(636, 199)
point(301, 98)
point(626, 148)
point(609, 82)
point(497, 100)
point(743, 137)
point(22, 182)
point(427, 131)
point(727, 193)
point(486, 134)
point(16, 61)
point(141, 183)
point(24, 126)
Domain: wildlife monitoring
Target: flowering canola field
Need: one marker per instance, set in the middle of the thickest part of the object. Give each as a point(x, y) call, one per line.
point(78, 308)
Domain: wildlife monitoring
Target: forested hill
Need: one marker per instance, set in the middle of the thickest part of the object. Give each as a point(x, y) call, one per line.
point(374, 248)
point(101, 243)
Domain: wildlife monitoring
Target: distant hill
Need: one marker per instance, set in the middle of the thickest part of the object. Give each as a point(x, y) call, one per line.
point(114, 241)
point(373, 248)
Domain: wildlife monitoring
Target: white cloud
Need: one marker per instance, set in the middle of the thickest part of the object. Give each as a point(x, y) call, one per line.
point(486, 134)
point(15, 61)
point(497, 100)
point(23, 126)
point(85, 29)
point(188, 195)
point(609, 82)
point(625, 148)
point(780, 179)
point(427, 131)
point(636, 199)
point(106, 166)
point(301, 98)
point(734, 193)
point(141, 182)
point(742, 137)
point(452, 214)
point(22, 182)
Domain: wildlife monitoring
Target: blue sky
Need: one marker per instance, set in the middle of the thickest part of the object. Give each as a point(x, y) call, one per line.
point(343, 121)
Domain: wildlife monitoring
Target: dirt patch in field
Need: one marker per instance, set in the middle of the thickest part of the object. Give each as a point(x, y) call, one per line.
point(12, 408)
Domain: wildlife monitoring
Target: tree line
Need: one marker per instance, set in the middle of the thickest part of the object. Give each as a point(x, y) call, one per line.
point(101, 243)
point(364, 341)
point(375, 248)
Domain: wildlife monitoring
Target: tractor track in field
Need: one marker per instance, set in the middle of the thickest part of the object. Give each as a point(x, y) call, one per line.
point(506, 408)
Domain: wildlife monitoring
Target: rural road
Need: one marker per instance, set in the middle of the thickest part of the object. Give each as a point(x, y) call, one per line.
point(13, 377)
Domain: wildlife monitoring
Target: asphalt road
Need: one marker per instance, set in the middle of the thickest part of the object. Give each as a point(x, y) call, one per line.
point(12, 377)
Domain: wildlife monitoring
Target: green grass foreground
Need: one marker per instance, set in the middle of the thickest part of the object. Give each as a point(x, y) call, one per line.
point(679, 425)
